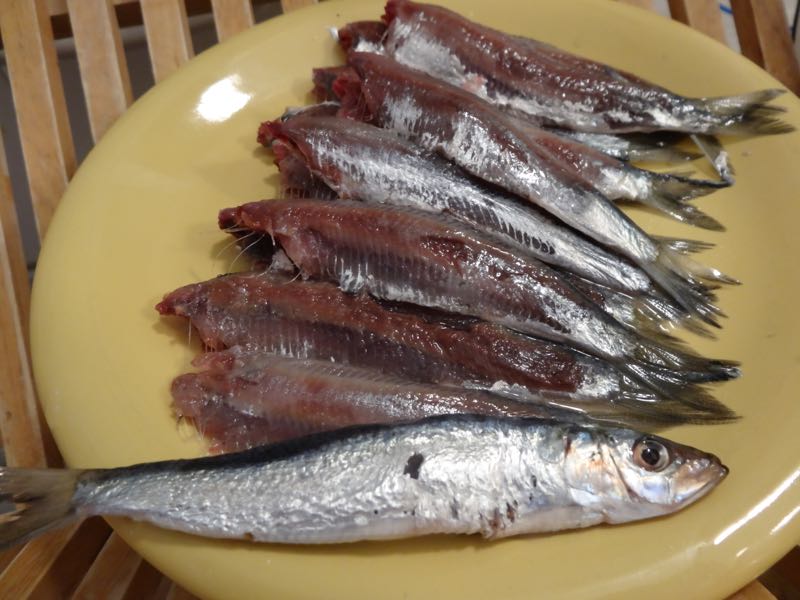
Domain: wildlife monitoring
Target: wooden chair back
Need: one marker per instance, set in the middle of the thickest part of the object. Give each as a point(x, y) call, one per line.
point(87, 560)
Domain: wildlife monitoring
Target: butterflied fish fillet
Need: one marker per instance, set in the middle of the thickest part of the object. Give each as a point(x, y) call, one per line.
point(406, 255)
point(289, 317)
point(364, 162)
point(291, 397)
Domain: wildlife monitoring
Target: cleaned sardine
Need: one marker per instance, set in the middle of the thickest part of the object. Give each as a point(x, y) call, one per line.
point(595, 167)
point(585, 164)
point(533, 78)
point(290, 398)
point(363, 162)
point(653, 147)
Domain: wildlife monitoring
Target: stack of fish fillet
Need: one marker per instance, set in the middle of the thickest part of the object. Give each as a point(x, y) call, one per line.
point(448, 242)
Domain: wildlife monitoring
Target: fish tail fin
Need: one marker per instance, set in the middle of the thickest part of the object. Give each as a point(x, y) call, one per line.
point(735, 104)
point(634, 405)
point(655, 315)
point(684, 246)
point(658, 147)
point(679, 187)
point(747, 114)
point(701, 272)
point(41, 498)
point(678, 210)
point(668, 193)
point(667, 354)
point(683, 280)
point(641, 410)
point(712, 149)
point(669, 385)
point(697, 326)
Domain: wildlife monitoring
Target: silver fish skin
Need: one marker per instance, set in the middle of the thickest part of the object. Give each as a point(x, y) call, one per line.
point(618, 180)
point(495, 148)
point(563, 89)
point(453, 474)
point(361, 161)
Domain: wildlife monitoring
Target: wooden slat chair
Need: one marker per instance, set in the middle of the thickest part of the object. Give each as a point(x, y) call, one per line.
point(88, 560)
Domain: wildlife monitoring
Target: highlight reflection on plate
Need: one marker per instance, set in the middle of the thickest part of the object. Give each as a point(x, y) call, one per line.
point(222, 100)
point(139, 220)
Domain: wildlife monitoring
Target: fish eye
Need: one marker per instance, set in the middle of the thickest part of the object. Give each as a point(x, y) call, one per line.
point(650, 454)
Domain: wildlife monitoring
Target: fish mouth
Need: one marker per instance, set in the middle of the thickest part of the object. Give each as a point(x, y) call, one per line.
point(712, 482)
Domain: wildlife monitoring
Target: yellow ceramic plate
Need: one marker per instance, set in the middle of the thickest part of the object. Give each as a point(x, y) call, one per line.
point(139, 220)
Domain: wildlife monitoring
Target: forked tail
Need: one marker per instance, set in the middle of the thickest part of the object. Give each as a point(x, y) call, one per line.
point(635, 405)
point(712, 148)
point(688, 282)
point(664, 364)
point(645, 415)
point(685, 213)
point(654, 315)
point(669, 360)
point(669, 193)
point(683, 246)
point(41, 499)
point(688, 402)
point(747, 114)
point(679, 187)
point(635, 412)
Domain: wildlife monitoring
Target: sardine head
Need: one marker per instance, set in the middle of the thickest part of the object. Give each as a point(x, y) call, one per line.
point(656, 476)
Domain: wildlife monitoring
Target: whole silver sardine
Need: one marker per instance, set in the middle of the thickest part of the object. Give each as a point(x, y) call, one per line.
point(454, 474)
